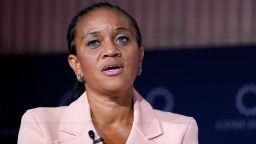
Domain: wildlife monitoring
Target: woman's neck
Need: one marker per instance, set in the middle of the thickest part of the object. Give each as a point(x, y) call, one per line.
point(112, 109)
point(112, 116)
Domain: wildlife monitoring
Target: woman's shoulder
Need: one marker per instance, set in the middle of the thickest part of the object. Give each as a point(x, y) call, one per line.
point(171, 117)
point(44, 113)
point(177, 124)
point(40, 124)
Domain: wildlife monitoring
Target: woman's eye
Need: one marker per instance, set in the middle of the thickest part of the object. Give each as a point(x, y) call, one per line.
point(122, 40)
point(94, 43)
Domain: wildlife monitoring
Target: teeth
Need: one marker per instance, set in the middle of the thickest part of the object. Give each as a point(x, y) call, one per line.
point(112, 67)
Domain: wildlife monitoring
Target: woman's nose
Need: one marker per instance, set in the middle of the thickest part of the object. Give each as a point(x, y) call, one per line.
point(111, 50)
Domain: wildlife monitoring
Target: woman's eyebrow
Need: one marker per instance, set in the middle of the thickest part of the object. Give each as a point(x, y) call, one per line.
point(123, 29)
point(93, 33)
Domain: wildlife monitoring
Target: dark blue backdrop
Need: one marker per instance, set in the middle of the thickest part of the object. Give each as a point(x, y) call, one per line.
point(215, 86)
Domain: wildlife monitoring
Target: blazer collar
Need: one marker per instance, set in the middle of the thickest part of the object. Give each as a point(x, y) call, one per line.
point(77, 116)
point(145, 119)
point(77, 121)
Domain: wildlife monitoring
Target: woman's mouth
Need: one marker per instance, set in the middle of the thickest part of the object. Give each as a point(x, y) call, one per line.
point(113, 69)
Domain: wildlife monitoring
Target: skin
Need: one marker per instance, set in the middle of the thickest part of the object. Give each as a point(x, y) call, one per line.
point(106, 36)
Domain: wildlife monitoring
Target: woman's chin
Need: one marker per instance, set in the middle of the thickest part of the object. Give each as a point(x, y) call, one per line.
point(116, 86)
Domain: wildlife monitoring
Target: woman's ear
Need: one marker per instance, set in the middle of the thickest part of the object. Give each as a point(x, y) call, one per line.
point(141, 56)
point(74, 64)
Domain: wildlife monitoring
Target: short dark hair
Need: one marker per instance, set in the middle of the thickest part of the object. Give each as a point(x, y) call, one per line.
point(72, 26)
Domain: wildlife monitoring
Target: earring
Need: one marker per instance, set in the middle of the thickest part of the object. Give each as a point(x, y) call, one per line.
point(139, 71)
point(79, 78)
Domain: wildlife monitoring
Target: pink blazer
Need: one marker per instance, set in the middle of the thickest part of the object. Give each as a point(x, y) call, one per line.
point(70, 125)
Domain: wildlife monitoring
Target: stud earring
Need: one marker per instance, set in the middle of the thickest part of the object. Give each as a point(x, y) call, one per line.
point(79, 78)
point(139, 71)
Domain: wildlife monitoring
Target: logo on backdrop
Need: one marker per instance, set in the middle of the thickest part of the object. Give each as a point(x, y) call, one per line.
point(240, 105)
point(248, 122)
point(157, 93)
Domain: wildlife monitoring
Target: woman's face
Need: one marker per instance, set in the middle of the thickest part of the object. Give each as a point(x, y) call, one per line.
point(108, 56)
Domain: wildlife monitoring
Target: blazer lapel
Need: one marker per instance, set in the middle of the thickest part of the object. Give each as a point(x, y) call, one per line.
point(146, 126)
point(76, 123)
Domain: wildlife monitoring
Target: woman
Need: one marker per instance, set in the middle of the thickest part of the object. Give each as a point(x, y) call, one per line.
point(106, 56)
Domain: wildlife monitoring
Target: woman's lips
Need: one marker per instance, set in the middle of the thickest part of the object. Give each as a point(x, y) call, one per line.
point(113, 69)
point(113, 72)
